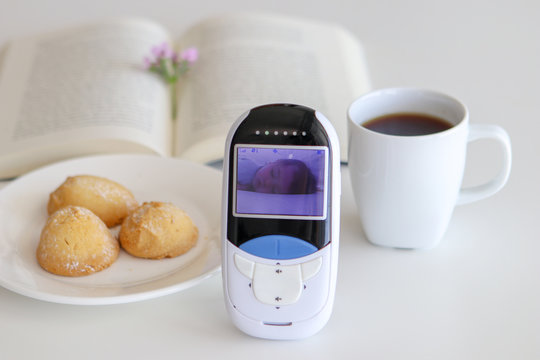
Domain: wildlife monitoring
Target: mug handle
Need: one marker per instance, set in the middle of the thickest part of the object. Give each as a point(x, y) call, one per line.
point(494, 132)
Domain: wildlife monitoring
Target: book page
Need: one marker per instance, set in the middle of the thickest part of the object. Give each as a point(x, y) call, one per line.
point(82, 91)
point(249, 60)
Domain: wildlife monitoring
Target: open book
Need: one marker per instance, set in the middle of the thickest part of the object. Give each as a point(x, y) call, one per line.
point(84, 90)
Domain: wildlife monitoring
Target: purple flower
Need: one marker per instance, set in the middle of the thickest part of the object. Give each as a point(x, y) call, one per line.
point(162, 51)
point(165, 62)
point(190, 55)
point(147, 63)
point(156, 50)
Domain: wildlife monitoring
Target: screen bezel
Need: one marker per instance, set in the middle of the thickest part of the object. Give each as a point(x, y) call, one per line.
point(280, 216)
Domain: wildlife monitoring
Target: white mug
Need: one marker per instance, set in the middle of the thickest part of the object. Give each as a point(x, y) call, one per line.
point(406, 187)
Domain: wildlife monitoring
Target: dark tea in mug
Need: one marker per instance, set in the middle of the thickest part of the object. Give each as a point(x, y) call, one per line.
point(407, 124)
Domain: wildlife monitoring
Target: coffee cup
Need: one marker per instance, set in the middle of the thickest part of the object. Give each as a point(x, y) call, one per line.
point(407, 153)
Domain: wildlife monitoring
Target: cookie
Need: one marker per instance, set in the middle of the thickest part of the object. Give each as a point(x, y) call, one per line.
point(110, 201)
point(75, 242)
point(157, 230)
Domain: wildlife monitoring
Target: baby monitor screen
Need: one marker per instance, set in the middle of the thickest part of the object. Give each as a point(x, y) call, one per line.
point(281, 181)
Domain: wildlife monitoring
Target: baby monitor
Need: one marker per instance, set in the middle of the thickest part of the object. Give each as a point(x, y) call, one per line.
point(280, 225)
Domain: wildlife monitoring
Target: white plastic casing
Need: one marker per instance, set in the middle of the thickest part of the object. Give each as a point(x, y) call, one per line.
point(310, 311)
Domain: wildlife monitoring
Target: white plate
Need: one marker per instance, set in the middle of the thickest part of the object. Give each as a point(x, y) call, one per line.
point(23, 211)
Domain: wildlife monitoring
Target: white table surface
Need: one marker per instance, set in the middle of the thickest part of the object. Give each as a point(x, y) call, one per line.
point(475, 296)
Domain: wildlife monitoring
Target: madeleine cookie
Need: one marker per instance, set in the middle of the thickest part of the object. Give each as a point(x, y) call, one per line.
point(110, 201)
point(75, 242)
point(157, 230)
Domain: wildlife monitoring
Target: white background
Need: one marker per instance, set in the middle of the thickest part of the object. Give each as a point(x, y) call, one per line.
point(475, 296)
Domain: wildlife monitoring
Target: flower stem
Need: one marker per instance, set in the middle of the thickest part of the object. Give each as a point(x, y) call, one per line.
point(174, 100)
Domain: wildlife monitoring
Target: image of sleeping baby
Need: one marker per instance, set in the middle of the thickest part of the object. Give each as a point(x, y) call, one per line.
point(280, 181)
point(282, 176)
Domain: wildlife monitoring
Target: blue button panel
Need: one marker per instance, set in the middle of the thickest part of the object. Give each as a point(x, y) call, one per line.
point(278, 247)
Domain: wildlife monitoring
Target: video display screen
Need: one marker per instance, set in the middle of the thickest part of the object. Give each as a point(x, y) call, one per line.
point(281, 181)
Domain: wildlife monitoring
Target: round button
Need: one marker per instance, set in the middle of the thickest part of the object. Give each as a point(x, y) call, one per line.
point(278, 247)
